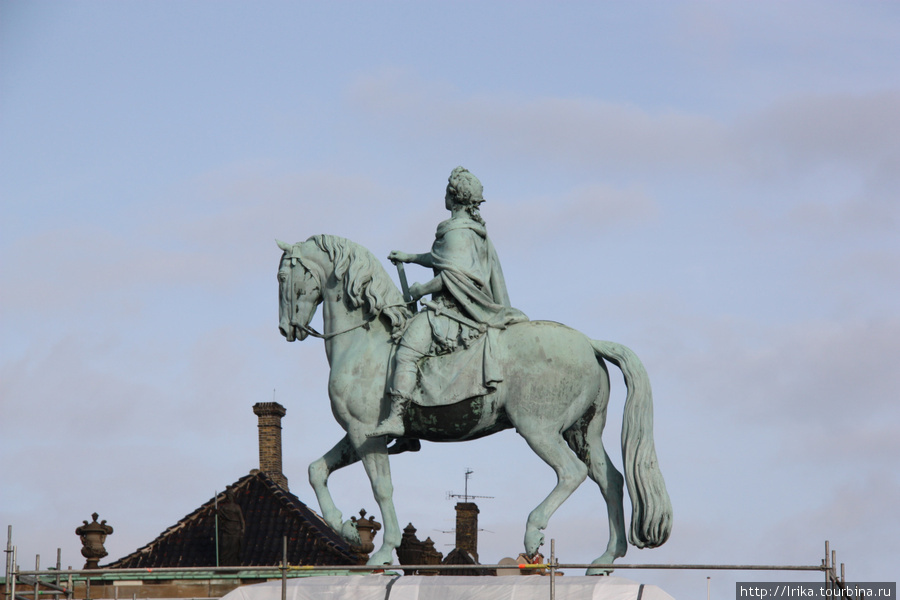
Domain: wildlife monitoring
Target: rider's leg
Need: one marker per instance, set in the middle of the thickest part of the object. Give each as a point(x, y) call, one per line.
point(413, 346)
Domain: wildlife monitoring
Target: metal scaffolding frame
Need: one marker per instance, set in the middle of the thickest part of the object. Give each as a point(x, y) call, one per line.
point(37, 584)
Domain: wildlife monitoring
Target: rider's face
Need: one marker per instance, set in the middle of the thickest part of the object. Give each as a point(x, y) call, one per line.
point(448, 199)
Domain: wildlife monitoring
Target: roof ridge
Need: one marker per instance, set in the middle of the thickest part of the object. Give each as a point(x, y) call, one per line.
point(271, 510)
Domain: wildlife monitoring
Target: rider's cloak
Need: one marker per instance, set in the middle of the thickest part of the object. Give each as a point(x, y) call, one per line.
point(473, 286)
point(467, 263)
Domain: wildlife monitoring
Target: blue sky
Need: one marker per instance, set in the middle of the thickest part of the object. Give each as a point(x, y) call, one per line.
point(713, 184)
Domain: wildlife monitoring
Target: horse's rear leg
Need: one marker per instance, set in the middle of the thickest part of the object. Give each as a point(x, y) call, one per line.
point(342, 455)
point(588, 444)
point(611, 486)
point(570, 473)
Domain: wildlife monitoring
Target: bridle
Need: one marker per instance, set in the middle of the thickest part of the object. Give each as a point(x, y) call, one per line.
point(296, 259)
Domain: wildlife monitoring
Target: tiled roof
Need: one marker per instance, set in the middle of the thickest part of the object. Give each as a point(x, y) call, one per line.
point(461, 557)
point(270, 513)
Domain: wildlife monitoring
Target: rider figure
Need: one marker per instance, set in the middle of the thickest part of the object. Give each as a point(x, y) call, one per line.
point(468, 285)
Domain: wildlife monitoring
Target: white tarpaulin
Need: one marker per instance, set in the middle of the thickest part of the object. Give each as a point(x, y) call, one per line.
point(395, 587)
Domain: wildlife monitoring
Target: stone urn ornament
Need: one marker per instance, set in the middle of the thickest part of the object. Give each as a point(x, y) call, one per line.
point(93, 535)
point(360, 533)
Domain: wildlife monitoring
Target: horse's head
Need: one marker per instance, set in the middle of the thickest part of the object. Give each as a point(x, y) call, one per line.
point(299, 293)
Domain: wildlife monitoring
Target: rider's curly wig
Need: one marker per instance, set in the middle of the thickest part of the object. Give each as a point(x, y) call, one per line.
point(366, 283)
point(466, 191)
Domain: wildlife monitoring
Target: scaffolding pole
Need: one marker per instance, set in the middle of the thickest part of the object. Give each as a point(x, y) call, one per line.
point(51, 580)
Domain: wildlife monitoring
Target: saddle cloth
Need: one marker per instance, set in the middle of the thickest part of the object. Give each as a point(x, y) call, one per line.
point(449, 378)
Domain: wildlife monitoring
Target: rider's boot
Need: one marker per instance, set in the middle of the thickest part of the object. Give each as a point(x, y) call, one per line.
point(392, 425)
point(418, 334)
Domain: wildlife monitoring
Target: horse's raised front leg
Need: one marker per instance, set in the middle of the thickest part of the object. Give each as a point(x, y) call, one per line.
point(374, 455)
point(342, 455)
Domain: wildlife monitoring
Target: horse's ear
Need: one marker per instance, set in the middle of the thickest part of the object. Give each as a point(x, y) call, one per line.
point(283, 245)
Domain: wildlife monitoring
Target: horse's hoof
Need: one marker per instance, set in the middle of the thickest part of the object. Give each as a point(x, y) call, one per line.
point(534, 539)
point(350, 533)
point(381, 557)
point(605, 559)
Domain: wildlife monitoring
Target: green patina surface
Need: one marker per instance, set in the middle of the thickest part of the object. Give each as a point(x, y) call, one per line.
point(544, 379)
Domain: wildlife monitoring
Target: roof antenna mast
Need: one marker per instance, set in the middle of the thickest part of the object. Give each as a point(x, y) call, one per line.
point(465, 495)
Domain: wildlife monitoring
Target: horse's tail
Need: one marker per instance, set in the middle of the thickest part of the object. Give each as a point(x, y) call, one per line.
point(651, 516)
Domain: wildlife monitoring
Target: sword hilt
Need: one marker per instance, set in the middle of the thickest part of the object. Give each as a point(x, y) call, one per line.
point(404, 286)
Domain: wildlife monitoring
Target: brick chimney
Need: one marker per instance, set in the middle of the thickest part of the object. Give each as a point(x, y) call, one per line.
point(467, 527)
point(270, 414)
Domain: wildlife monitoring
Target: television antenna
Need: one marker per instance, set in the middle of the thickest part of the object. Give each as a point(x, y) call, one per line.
point(465, 495)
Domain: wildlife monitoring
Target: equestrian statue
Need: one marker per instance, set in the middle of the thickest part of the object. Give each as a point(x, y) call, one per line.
point(466, 366)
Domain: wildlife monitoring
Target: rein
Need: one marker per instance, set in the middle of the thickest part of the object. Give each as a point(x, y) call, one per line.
point(327, 336)
point(310, 331)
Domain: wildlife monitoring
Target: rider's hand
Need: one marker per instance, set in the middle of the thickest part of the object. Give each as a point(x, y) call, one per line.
point(416, 291)
point(396, 256)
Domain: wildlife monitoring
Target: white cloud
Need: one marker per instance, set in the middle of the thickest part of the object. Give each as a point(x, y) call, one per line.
point(834, 131)
point(800, 132)
point(579, 132)
point(804, 374)
point(822, 163)
point(593, 208)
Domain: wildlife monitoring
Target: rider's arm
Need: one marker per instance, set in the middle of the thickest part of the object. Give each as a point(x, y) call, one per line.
point(417, 290)
point(426, 260)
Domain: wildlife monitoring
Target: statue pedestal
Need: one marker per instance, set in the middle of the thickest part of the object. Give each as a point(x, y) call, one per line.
point(382, 587)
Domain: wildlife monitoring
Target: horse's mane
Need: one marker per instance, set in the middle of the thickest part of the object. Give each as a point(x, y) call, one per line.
point(366, 283)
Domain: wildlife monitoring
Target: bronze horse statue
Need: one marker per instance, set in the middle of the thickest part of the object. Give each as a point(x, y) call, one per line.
point(554, 392)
